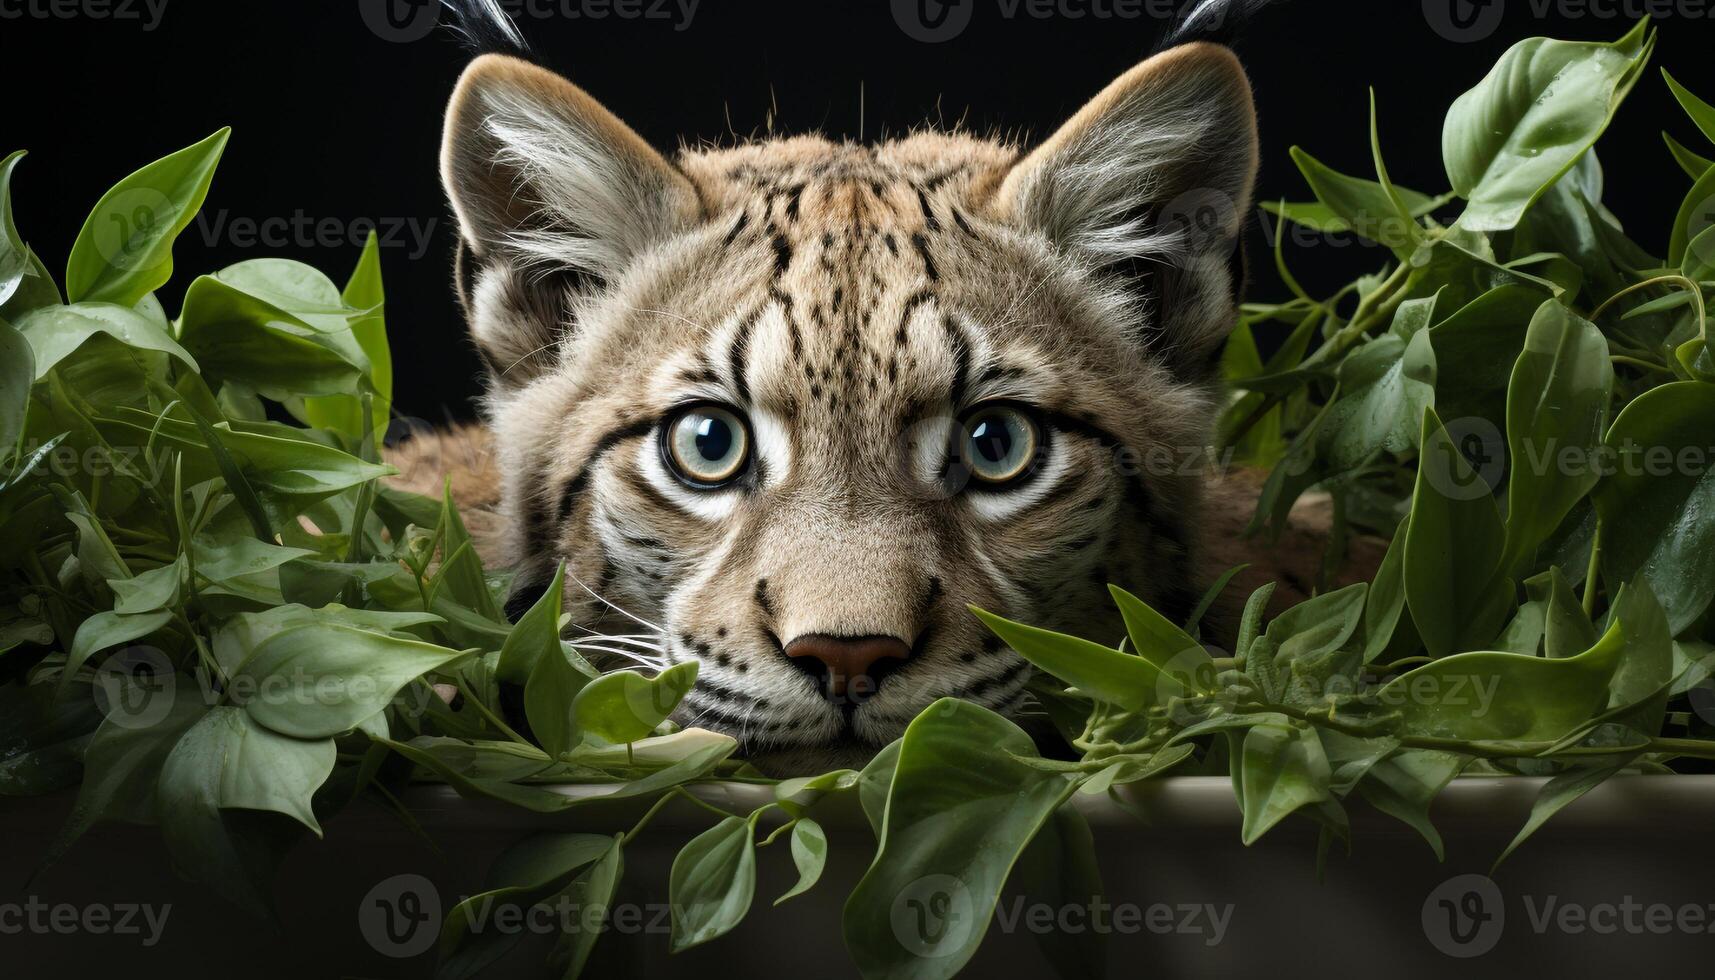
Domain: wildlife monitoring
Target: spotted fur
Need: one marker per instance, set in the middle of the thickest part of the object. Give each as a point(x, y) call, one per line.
point(852, 301)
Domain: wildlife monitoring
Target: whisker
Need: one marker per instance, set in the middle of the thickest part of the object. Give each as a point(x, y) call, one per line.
point(615, 607)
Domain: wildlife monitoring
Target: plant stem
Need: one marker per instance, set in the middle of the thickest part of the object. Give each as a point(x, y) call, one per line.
point(1496, 749)
point(1640, 364)
point(648, 815)
point(1592, 573)
point(493, 719)
point(783, 828)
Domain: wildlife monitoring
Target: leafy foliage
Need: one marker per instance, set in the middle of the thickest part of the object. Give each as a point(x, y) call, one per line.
point(228, 625)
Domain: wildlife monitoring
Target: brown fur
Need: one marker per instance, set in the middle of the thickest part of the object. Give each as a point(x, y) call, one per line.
point(853, 306)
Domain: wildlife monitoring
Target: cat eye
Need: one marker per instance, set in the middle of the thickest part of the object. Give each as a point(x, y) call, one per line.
point(1001, 444)
point(706, 446)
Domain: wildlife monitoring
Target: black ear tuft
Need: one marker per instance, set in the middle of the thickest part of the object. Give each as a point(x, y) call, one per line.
point(484, 27)
point(1215, 21)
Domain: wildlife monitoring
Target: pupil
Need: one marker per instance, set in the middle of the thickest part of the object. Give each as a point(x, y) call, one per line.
point(993, 441)
point(714, 439)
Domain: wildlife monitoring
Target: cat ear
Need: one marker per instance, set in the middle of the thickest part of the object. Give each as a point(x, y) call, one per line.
point(554, 196)
point(1149, 185)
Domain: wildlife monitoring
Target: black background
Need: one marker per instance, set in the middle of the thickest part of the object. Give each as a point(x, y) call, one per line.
point(339, 122)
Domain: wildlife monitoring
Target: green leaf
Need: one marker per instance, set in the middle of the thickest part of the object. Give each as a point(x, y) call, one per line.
point(1566, 630)
point(219, 560)
point(1169, 648)
point(1653, 504)
point(549, 696)
point(1405, 784)
point(1384, 391)
point(240, 635)
point(17, 374)
point(1060, 870)
point(1313, 637)
point(874, 782)
point(1364, 206)
point(1701, 112)
point(624, 706)
point(1544, 103)
point(1646, 671)
point(591, 893)
point(14, 254)
point(344, 413)
point(155, 589)
point(97, 558)
point(1251, 622)
point(42, 738)
point(105, 630)
point(1692, 219)
point(225, 760)
point(1475, 349)
point(1132, 683)
point(809, 854)
point(228, 762)
point(1505, 696)
point(1210, 595)
point(1136, 768)
point(125, 249)
point(1557, 403)
point(712, 882)
point(1282, 768)
point(321, 679)
point(1452, 557)
point(535, 635)
point(1555, 795)
point(800, 792)
point(35, 290)
point(275, 326)
point(287, 466)
point(460, 577)
point(960, 810)
point(122, 764)
point(1695, 165)
point(1320, 217)
point(1386, 598)
point(525, 874)
point(56, 332)
point(695, 765)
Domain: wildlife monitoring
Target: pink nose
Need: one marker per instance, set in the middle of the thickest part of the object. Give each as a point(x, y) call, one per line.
point(849, 660)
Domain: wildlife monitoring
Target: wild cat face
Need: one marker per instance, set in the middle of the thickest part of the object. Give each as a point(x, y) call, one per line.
point(797, 404)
